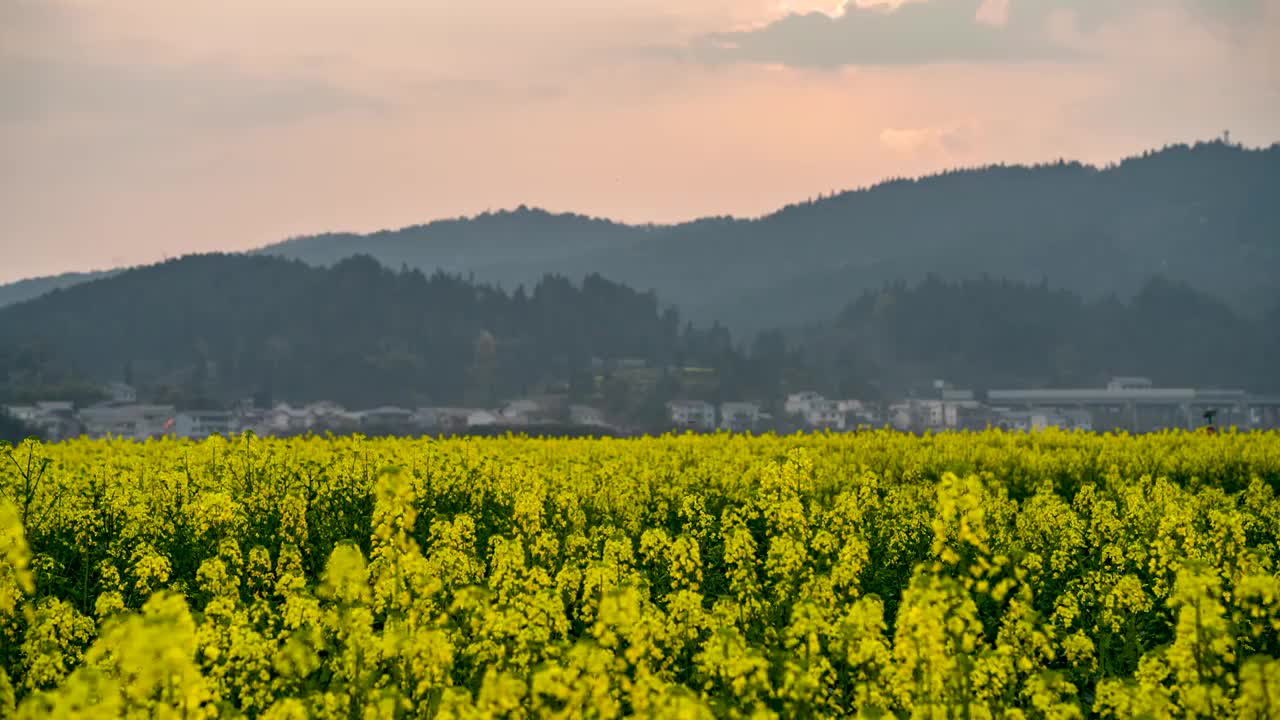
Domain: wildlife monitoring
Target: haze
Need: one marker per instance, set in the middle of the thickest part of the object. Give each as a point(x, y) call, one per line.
point(131, 130)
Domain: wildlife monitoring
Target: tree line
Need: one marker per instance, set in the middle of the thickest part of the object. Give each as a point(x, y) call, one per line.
point(213, 328)
point(205, 331)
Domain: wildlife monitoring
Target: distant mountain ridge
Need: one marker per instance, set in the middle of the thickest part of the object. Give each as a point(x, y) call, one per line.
point(1202, 214)
point(23, 290)
point(464, 245)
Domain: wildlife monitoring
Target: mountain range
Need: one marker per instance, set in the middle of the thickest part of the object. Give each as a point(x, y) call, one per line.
point(1204, 214)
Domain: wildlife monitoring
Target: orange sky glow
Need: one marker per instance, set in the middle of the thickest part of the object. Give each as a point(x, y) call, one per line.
point(133, 130)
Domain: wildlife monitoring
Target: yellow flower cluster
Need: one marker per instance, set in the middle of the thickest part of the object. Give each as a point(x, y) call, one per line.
point(990, 575)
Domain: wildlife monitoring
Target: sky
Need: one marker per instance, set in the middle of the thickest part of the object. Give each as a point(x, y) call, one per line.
point(134, 130)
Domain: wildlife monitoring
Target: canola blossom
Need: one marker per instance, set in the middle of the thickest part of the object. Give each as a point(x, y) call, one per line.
point(988, 575)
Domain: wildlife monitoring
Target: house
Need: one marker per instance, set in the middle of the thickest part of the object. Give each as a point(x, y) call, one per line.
point(533, 410)
point(24, 413)
point(284, 419)
point(917, 414)
point(137, 422)
point(1012, 420)
point(857, 413)
point(53, 420)
point(250, 419)
point(802, 402)
point(328, 416)
point(442, 419)
point(901, 416)
point(739, 416)
point(120, 393)
point(57, 408)
point(814, 410)
point(1038, 419)
point(425, 418)
point(200, 424)
point(324, 408)
point(933, 414)
point(385, 417)
point(824, 415)
point(586, 415)
point(519, 411)
point(692, 415)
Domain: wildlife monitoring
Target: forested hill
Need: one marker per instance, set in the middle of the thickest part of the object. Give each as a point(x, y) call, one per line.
point(230, 325)
point(1204, 214)
point(22, 290)
point(994, 333)
point(206, 330)
point(509, 247)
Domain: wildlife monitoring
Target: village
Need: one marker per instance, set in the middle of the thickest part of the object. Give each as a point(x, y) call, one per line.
point(1125, 404)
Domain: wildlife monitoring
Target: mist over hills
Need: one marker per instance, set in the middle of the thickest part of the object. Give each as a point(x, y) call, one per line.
point(1205, 215)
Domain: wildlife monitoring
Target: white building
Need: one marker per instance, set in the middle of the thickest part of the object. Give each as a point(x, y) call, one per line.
point(1038, 419)
point(53, 420)
point(739, 416)
point(443, 419)
point(857, 413)
point(532, 410)
point(138, 422)
point(1132, 403)
point(200, 424)
point(518, 411)
point(1014, 420)
point(25, 413)
point(926, 414)
point(286, 419)
point(325, 408)
point(57, 408)
point(825, 414)
point(814, 410)
point(802, 402)
point(692, 414)
point(851, 406)
point(385, 416)
point(586, 415)
point(427, 418)
point(120, 393)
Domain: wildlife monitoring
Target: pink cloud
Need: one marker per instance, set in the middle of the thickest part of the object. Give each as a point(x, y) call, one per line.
point(940, 142)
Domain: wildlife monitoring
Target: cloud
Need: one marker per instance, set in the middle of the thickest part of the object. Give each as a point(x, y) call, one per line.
point(939, 31)
point(912, 33)
point(194, 95)
point(945, 141)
